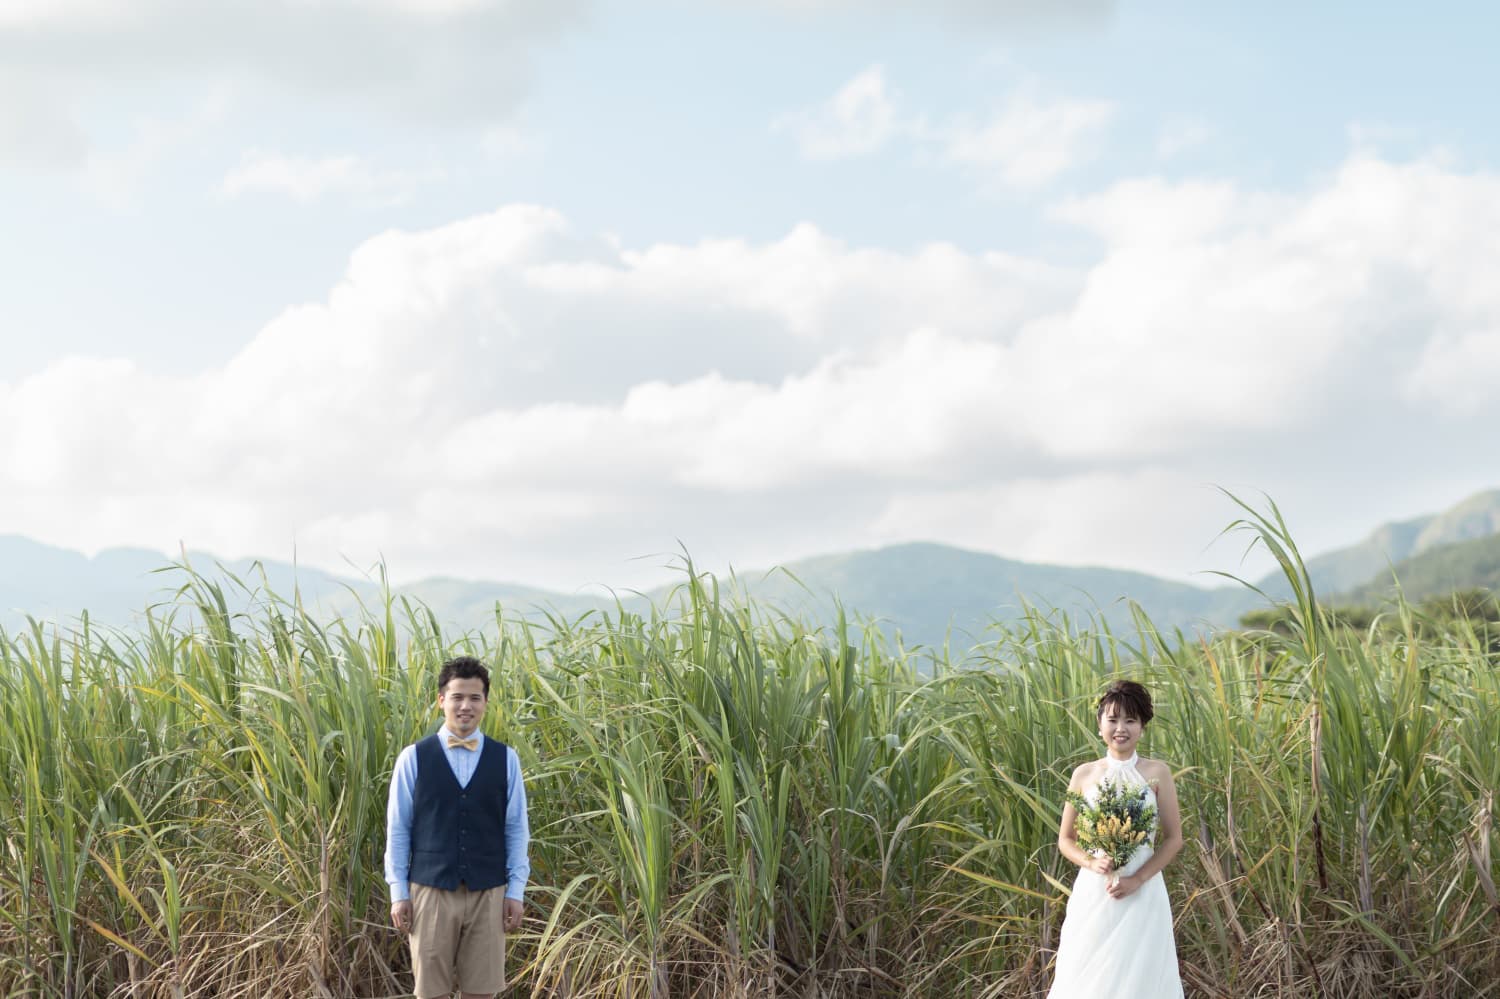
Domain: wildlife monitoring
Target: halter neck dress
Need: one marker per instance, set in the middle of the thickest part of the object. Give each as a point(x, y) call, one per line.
point(1117, 946)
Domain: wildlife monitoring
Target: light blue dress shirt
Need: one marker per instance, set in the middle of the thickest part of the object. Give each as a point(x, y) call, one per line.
point(463, 762)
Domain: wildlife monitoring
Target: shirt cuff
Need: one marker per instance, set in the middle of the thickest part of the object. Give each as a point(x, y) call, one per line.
point(400, 891)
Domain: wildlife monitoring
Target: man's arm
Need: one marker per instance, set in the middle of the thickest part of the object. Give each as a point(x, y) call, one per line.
point(517, 831)
point(398, 836)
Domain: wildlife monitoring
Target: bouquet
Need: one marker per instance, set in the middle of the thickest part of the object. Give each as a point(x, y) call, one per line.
point(1117, 824)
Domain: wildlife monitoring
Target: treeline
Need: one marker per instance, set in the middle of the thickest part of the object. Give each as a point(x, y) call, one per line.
point(1458, 613)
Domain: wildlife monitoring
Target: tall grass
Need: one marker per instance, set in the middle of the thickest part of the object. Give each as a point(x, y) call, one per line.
point(729, 801)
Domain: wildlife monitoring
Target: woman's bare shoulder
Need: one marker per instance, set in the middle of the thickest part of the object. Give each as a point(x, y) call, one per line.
point(1154, 769)
point(1084, 774)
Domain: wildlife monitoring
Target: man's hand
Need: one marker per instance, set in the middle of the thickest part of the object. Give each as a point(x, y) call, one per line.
point(401, 915)
point(514, 909)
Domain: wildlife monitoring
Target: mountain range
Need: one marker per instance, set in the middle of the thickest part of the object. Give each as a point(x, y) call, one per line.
point(1366, 568)
point(928, 593)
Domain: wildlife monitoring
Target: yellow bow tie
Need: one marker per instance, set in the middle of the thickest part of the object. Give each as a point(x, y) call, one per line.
point(454, 742)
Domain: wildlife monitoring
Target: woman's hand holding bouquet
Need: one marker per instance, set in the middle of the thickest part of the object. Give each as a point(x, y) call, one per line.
point(1113, 827)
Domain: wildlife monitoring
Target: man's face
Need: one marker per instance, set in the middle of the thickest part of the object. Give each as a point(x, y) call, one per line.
point(462, 703)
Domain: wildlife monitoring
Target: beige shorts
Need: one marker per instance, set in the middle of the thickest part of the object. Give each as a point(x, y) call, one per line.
point(457, 940)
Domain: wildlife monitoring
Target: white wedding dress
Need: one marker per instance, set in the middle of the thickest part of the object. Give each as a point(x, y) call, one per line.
point(1117, 946)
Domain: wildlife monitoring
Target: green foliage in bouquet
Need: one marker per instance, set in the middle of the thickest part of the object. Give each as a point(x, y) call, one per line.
point(1117, 824)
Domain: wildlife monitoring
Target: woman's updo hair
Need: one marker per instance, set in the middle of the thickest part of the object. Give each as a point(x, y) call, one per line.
point(1130, 697)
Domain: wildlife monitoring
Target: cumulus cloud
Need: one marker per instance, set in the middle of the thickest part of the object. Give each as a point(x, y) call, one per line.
point(114, 175)
point(1272, 312)
point(36, 13)
point(1110, 516)
point(855, 121)
point(306, 179)
point(35, 129)
point(1458, 371)
point(1181, 135)
point(1009, 14)
point(506, 397)
point(454, 60)
point(1029, 139)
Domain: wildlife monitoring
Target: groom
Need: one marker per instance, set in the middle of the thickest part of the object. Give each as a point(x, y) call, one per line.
point(456, 842)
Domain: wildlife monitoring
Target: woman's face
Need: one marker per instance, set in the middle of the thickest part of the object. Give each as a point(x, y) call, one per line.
point(1120, 730)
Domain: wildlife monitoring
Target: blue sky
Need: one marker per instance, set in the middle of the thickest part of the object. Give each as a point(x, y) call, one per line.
point(527, 290)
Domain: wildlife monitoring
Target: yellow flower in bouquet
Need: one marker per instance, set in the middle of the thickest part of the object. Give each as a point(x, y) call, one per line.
point(1118, 823)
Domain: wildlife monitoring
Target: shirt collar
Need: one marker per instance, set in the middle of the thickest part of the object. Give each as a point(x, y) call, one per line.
point(445, 733)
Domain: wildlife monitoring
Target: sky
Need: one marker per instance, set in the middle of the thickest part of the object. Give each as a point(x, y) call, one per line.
point(550, 291)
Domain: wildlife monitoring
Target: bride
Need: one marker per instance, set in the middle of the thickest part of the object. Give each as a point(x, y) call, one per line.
point(1117, 934)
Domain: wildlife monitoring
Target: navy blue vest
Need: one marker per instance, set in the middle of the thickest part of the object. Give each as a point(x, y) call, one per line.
point(458, 833)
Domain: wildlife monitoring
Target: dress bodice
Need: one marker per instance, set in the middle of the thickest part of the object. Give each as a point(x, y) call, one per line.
point(1121, 771)
point(1125, 772)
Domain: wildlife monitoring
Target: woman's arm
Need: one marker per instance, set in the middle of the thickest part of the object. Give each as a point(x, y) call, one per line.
point(1169, 835)
point(1067, 833)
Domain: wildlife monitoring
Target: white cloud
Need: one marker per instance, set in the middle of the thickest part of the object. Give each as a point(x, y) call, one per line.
point(857, 120)
point(36, 13)
point(114, 176)
point(507, 142)
point(1180, 135)
point(1109, 517)
point(1007, 14)
point(35, 130)
point(428, 62)
point(1155, 212)
point(1026, 142)
point(504, 397)
point(1458, 372)
point(304, 179)
point(1029, 140)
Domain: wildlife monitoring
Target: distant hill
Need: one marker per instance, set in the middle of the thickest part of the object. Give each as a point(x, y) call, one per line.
point(1476, 517)
point(55, 584)
point(1462, 565)
point(926, 590)
point(1345, 571)
point(922, 590)
point(1346, 568)
point(472, 604)
point(116, 586)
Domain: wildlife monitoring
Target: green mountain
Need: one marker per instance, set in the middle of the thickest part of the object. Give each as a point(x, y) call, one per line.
point(925, 591)
point(54, 584)
point(471, 604)
point(116, 585)
point(1462, 565)
point(1347, 570)
point(1476, 517)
